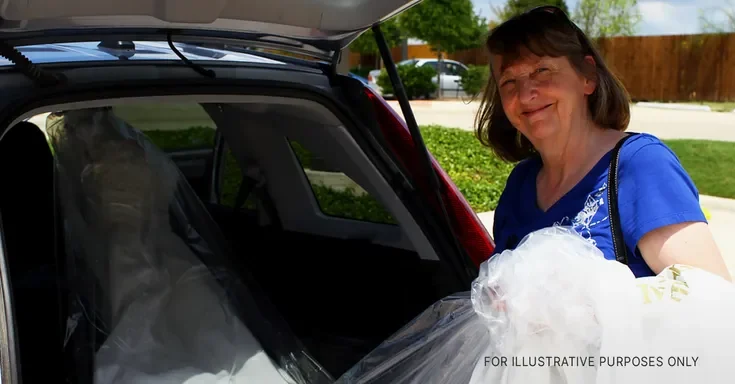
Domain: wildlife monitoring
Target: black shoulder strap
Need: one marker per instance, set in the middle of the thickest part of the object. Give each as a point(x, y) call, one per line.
point(621, 251)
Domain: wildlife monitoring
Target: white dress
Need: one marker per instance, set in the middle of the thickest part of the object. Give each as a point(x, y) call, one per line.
point(554, 311)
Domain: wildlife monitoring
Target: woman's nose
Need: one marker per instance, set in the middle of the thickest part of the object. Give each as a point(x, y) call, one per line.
point(527, 90)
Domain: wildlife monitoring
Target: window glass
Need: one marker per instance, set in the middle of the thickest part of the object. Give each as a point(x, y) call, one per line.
point(431, 64)
point(231, 178)
point(171, 126)
point(336, 193)
point(453, 69)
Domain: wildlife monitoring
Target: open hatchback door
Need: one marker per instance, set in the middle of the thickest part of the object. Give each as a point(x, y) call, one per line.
point(316, 27)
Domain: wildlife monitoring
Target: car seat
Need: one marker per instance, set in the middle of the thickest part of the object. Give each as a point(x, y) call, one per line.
point(27, 215)
point(146, 263)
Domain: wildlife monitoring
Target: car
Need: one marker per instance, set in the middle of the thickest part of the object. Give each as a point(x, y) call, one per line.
point(194, 192)
point(450, 75)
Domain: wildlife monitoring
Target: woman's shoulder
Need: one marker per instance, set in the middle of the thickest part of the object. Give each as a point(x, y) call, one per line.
point(646, 149)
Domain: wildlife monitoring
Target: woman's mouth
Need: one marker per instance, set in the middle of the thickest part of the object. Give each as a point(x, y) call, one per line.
point(536, 111)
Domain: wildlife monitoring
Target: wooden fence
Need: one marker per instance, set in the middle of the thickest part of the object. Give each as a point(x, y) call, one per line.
point(659, 68)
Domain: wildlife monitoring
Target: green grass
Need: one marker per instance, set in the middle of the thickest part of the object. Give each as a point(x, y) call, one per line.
point(478, 174)
point(717, 106)
point(709, 163)
point(191, 138)
point(164, 116)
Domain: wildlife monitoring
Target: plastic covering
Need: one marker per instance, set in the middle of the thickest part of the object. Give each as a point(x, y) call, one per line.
point(151, 298)
point(555, 311)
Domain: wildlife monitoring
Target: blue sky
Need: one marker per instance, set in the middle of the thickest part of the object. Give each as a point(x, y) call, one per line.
point(658, 17)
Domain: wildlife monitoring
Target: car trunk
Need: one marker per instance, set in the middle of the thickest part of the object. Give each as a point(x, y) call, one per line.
point(341, 297)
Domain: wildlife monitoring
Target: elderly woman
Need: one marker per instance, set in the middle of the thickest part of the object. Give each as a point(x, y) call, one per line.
point(553, 107)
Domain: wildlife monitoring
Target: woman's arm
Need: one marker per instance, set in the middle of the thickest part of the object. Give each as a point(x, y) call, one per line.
point(688, 243)
point(660, 210)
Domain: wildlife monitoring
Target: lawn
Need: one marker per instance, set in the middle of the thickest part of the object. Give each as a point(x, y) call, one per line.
point(715, 106)
point(478, 174)
point(709, 163)
point(481, 176)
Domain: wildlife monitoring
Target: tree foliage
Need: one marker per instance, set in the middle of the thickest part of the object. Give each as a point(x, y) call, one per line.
point(516, 7)
point(607, 18)
point(446, 25)
point(718, 19)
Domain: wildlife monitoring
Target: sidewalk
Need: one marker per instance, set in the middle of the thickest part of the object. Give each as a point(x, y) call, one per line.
point(663, 123)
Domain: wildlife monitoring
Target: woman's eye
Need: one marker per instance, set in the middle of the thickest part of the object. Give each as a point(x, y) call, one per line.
point(507, 82)
point(542, 70)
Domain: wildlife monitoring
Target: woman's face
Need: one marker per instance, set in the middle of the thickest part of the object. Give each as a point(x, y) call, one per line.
point(542, 96)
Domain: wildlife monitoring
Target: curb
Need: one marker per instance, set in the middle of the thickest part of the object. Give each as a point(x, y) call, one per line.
point(685, 107)
point(717, 203)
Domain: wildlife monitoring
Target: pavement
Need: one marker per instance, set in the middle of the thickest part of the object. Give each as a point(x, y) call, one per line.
point(663, 123)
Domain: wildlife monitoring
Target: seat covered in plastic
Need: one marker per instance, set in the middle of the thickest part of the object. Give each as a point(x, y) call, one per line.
point(153, 295)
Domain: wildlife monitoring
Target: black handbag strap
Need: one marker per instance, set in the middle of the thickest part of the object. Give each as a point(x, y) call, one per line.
point(621, 251)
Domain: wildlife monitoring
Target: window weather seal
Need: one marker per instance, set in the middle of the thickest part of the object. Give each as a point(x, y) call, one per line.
point(24, 65)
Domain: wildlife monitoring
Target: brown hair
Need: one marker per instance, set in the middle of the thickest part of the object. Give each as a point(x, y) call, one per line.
point(546, 31)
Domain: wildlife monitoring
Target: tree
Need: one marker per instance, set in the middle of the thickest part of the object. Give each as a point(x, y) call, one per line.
point(446, 25)
point(516, 7)
point(606, 18)
point(365, 44)
point(709, 23)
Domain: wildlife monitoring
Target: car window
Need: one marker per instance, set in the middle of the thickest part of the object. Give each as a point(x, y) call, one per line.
point(336, 193)
point(453, 69)
point(431, 64)
point(231, 179)
point(171, 126)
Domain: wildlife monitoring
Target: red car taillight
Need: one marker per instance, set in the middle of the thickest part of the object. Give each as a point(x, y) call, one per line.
point(466, 225)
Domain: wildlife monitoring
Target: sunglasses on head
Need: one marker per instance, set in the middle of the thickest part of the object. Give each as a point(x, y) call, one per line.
point(557, 12)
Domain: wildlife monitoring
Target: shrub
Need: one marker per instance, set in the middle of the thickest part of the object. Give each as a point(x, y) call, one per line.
point(416, 81)
point(473, 81)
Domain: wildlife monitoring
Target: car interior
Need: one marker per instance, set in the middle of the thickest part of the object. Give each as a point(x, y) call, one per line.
point(307, 241)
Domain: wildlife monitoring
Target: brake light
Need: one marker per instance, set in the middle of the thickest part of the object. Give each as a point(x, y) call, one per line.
point(472, 234)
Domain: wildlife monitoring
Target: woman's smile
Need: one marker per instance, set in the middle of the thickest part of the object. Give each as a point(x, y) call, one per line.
point(534, 113)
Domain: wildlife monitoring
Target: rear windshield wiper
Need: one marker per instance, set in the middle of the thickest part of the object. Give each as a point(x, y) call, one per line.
point(32, 71)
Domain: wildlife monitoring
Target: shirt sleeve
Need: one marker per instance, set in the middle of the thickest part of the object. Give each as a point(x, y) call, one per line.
point(654, 191)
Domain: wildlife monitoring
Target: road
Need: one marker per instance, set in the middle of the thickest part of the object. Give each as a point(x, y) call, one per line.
point(663, 123)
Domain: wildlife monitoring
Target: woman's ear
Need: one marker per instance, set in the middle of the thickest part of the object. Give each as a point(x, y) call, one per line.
point(590, 83)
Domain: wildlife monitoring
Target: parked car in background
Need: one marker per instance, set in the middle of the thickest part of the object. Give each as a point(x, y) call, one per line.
point(451, 73)
point(205, 209)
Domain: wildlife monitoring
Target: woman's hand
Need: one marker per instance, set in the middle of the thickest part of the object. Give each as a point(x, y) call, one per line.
point(686, 243)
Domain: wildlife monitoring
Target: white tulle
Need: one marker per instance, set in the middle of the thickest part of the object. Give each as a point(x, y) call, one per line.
point(555, 311)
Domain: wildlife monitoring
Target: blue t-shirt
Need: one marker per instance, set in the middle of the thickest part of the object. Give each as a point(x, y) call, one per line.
point(653, 191)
